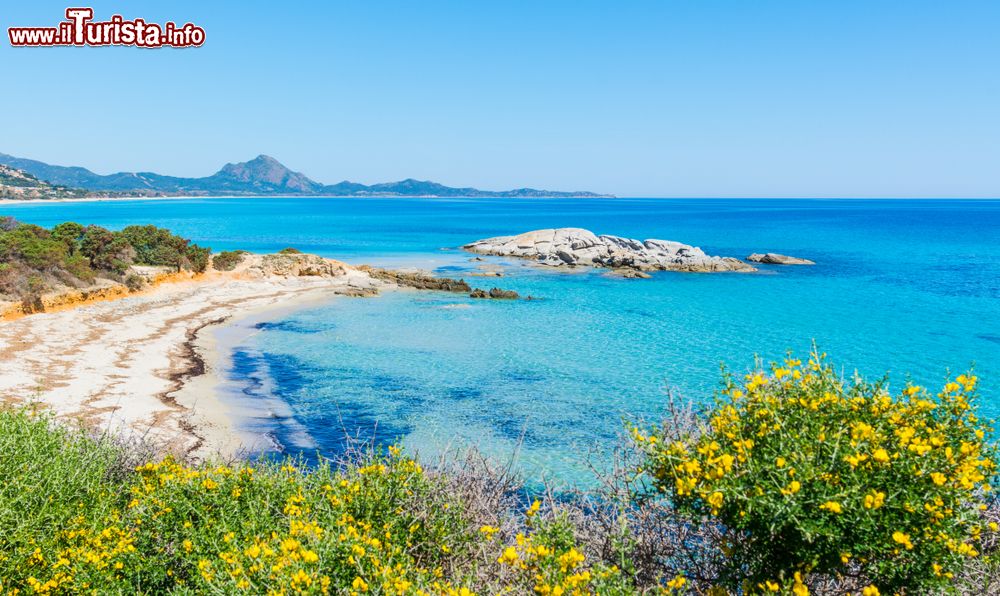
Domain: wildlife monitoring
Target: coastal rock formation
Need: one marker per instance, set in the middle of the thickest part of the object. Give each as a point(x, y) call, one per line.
point(290, 265)
point(773, 258)
point(495, 294)
point(420, 281)
point(568, 247)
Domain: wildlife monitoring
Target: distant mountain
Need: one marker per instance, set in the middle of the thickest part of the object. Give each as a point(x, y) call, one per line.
point(261, 176)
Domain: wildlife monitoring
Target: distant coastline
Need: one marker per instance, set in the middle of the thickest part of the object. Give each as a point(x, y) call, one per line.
point(260, 177)
point(102, 199)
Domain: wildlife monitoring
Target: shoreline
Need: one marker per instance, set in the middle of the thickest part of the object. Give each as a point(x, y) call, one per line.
point(150, 366)
point(209, 356)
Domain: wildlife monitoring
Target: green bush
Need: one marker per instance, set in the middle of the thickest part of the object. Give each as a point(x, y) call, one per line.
point(796, 480)
point(227, 260)
point(817, 475)
point(79, 515)
point(71, 251)
point(289, 251)
point(134, 282)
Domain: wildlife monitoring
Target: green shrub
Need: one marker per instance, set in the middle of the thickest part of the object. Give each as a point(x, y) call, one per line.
point(70, 234)
point(71, 252)
point(227, 260)
point(817, 475)
point(78, 515)
point(197, 258)
point(289, 251)
point(134, 282)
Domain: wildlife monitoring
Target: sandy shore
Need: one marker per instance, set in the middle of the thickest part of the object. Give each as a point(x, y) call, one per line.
point(139, 365)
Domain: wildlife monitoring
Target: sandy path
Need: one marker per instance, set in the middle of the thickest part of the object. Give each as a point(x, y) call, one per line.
point(119, 365)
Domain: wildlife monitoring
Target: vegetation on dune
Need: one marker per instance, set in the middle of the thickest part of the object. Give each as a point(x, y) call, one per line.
point(794, 481)
point(227, 260)
point(80, 515)
point(814, 475)
point(34, 259)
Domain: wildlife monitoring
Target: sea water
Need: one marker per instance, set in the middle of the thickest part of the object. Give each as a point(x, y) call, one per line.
point(908, 288)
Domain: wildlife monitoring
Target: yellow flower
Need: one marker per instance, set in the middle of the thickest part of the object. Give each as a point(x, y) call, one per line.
point(880, 455)
point(715, 500)
point(509, 556)
point(359, 584)
point(903, 539)
point(870, 591)
point(793, 487)
point(780, 462)
point(570, 559)
point(832, 507)
point(874, 499)
point(677, 583)
point(799, 588)
point(939, 478)
point(534, 508)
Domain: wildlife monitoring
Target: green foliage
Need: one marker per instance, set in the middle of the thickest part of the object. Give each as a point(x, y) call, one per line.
point(70, 234)
point(32, 245)
point(289, 251)
point(198, 258)
point(818, 475)
point(134, 282)
point(72, 251)
point(227, 260)
point(157, 246)
point(79, 515)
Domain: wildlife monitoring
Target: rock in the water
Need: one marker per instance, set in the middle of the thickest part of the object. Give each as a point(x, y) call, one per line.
point(773, 258)
point(633, 274)
point(418, 280)
point(495, 293)
point(568, 247)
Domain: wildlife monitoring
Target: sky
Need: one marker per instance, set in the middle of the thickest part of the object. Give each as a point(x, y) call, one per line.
point(666, 98)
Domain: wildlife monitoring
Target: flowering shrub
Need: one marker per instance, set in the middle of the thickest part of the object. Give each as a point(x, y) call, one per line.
point(804, 481)
point(548, 562)
point(812, 474)
point(74, 518)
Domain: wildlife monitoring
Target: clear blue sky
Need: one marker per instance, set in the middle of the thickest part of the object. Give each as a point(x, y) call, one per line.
point(660, 98)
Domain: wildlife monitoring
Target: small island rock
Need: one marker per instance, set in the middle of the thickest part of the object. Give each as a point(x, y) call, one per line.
point(569, 247)
point(773, 258)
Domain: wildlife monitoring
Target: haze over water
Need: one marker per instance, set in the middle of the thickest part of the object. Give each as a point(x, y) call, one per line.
point(900, 286)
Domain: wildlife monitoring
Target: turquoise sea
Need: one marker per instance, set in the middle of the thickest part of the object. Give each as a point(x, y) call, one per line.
point(904, 287)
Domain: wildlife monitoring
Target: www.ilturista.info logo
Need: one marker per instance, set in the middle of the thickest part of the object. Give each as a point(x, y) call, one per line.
point(79, 29)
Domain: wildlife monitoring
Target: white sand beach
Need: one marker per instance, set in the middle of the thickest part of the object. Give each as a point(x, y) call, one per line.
point(136, 365)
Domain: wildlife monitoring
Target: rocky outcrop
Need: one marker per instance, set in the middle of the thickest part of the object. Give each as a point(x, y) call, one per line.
point(773, 258)
point(569, 247)
point(495, 294)
point(290, 265)
point(422, 281)
point(418, 280)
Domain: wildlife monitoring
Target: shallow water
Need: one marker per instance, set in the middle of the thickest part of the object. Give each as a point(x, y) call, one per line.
point(900, 286)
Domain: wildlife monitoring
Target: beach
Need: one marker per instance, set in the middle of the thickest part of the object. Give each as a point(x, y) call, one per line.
point(142, 366)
